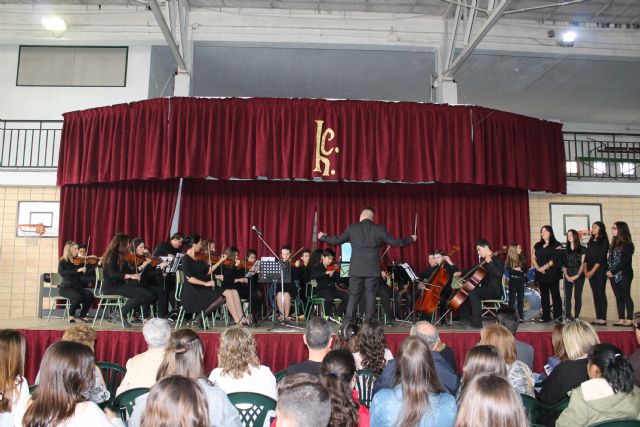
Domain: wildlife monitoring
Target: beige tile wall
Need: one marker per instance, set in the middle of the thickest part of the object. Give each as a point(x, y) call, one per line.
point(20, 263)
point(614, 208)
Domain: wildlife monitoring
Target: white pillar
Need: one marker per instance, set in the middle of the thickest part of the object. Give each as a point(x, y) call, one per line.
point(447, 92)
point(182, 84)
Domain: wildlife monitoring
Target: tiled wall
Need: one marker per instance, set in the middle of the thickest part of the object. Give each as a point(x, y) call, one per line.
point(614, 208)
point(20, 262)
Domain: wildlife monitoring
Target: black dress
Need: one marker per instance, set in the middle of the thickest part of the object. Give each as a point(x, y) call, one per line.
point(196, 298)
point(596, 253)
point(549, 282)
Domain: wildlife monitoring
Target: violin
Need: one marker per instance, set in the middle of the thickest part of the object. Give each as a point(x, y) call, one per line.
point(212, 257)
point(137, 259)
point(333, 267)
point(90, 259)
point(245, 265)
point(429, 300)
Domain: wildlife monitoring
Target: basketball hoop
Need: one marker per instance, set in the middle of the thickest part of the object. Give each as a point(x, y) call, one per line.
point(31, 232)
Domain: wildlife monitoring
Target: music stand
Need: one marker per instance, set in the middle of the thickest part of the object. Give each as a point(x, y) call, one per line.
point(406, 272)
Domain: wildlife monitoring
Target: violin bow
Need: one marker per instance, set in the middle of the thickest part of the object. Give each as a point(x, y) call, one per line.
point(415, 224)
point(87, 256)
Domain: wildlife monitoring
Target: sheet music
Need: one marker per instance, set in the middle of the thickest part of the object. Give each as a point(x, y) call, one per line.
point(174, 262)
point(409, 271)
point(253, 270)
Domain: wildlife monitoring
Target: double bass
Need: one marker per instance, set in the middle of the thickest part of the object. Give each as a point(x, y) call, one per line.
point(429, 299)
point(470, 281)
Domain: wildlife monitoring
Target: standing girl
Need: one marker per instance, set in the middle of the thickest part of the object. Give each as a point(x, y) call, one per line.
point(572, 260)
point(620, 271)
point(595, 268)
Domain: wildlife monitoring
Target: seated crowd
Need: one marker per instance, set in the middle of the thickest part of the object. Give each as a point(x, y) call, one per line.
point(418, 386)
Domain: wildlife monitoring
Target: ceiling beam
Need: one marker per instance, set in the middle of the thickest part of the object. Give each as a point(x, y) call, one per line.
point(543, 6)
point(171, 42)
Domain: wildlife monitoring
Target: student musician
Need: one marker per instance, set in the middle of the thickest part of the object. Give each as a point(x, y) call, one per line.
point(325, 273)
point(233, 273)
point(120, 278)
point(516, 265)
point(72, 286)
point(89, 277)
point(170, 248)
point(284, 301)
point(489, 287)
point(151, 277)
point(300, 274)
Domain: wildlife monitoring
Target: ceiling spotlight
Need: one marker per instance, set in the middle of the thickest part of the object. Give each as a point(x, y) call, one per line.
point(54, 24)
point(569, 37)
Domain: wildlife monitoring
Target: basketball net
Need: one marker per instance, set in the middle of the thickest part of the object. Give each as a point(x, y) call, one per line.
point(32, 232)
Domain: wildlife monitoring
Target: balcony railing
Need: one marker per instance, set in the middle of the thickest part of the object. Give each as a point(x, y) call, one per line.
point(605, 157)
point(29, 144)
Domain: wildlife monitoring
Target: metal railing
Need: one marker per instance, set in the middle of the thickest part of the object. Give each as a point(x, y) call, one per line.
point(30, 144)
point(602, 157)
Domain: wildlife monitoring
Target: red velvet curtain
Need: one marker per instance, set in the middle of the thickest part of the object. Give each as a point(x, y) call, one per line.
point(277, 139)
point(138, 208)
point(284, 211)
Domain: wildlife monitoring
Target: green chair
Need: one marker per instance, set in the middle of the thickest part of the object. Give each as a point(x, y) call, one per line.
point(491, 306)
point(280, 375)
point(124, 402)
point(182, 312)
point(531, 407)
point(104, 301)
point(32, 389)
point(56, 281)
point(365, 379)
point(112, 374)
point(316, 304)
point(253, 408)
point(618, 423)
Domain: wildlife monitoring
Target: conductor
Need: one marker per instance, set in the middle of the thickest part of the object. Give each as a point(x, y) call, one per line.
point(366, 240)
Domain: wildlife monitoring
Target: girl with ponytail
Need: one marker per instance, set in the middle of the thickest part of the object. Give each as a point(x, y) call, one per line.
point(609, 393)
point(337, 376)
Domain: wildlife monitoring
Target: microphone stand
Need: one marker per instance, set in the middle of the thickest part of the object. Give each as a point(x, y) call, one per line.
point(282, 265)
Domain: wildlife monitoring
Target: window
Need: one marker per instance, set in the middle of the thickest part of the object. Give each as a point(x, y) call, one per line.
point(572, 168)
point(627, 169)
point(72, 66)
point(599, 168)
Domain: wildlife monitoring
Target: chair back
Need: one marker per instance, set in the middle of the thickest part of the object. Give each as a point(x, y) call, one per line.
point(280, 375)
point(253, 408)
point(179, 283)
point(33, 388)
point(112, 374)
point(531, 407)
point(365, 379)
point(124, 402)
point(97, 290)
point(56, 280)
point(618, 423)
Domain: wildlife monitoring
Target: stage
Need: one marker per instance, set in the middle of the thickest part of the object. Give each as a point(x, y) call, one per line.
point(281, 347)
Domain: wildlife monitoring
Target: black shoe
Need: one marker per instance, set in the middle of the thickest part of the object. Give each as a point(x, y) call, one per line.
point(72, 320)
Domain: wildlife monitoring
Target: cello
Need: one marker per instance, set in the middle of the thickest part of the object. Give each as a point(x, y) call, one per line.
point(429, 300)
point(470, 281)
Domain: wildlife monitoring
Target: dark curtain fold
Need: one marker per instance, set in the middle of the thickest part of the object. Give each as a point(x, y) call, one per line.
point(276, 139)
point(448, 215)
point(138, 208)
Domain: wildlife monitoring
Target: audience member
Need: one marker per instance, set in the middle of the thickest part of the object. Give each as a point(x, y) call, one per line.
point(489, 400)
point(303, 402)
point(176, 401)
point(14, 390)
point(609, 393)
point(481, 359)
point(67, 374)
point(143, 368)
point(519, 374)
point(577, 338)
point(634, 359)
point(559, 354)
point(508, 318)
point(317, 338)
point(184, 356)
point(239, 369)
point(370, 347)
point(337, 375)
point(417, 398)
point(445, 372)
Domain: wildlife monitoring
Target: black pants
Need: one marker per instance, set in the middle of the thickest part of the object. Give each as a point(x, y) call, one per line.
point(358, 286)
point(569, 287)
point(598, 287)
point(516, 295)
point(384, 292)
point(475, 299)
point(329, 294)
point(622, 291)
point(552, 288)
point(79, 297)
point(136, 296)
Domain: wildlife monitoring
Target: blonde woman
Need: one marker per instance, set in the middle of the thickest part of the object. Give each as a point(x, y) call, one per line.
point(577, 337)
point(72, 286)
point(239, 369)
point(518, 373)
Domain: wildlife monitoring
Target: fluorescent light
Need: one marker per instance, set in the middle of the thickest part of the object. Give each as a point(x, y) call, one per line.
point(54, 24)
point(569, 37)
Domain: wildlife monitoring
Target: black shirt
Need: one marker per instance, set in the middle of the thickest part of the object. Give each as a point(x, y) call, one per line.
point(564, 378)
point(572, 260)
point(196, 269)
point(307, 367)
point(165, 249)
point(543, 256)
point(596, 253)
point(319, 274)
point(70, 275)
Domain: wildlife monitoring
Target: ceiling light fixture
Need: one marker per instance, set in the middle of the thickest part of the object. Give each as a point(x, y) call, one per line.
point(56, 25)
point(568, 38)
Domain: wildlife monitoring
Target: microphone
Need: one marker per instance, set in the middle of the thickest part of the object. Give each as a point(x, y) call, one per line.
point(254, 228)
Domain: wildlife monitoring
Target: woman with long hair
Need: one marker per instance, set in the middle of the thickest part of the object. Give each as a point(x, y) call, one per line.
point(239, 369)
point(595, 269)
point(14, 390)
point(577, 338)
point(66, 376)
point(120, 278)
point(516, 266)
point(337, 374)
point(491, 401)
point(176, 401)
point(370, 347)
point(72, 286)
point(151, 278)
point(199, 291)
point(572, 261)
point(518, 373)
point(479, 360)
point(417, 398)
point(184, 355)
point(608, 394)
point(545, 258)
point(621, 272)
